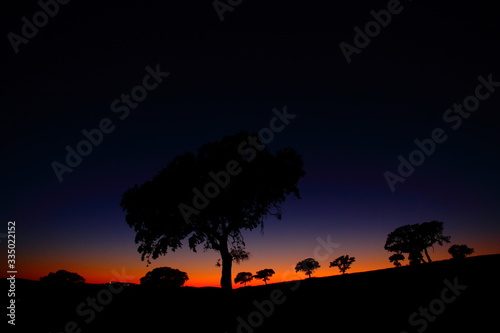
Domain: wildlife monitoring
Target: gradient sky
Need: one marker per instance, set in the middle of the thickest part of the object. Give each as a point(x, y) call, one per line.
point(353, 120)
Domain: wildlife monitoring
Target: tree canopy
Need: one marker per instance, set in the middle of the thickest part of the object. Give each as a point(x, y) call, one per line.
point(264, 274)
point(308, 266)
point(62, 278)
point(208, 198)
point(164, 277)
point(343, 263)
point(460, 251)
point(243, 278)
point(415, 239)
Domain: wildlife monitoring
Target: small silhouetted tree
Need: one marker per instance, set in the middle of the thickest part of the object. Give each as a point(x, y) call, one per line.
point(243, 278)
point(62, 278)
point(460, 251)
point(343, 263)
point(415, 239)
point(308, 266)
point(164, 277)
point(264, 274)
point(211, 196)
point(396, 258)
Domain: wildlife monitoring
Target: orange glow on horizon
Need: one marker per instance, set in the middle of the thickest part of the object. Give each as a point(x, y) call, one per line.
point(199, 279)
point(201, 269)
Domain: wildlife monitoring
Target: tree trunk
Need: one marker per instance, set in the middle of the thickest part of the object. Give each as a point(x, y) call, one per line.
point(427, 255)
point(227, 263)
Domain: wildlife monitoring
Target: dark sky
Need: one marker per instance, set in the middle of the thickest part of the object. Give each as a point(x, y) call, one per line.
point(353, 121)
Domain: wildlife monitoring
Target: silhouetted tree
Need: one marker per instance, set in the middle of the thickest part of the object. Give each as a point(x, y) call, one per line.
point(396, 258)
point(264, 274)
point(414, 239)
point(62, 278)
point(343, 263)
point(164, 277)
point(210, 197)
point(307, 266)
point(243, 278)
point(460, 251)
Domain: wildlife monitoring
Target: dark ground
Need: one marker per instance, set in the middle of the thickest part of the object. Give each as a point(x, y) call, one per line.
point(376, 301)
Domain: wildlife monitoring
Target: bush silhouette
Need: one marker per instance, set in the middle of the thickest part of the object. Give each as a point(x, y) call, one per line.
point(62, 278)
point(164, 277)
point(460, 251)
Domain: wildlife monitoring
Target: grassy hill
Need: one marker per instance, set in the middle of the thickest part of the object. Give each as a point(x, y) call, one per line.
point(444, 296)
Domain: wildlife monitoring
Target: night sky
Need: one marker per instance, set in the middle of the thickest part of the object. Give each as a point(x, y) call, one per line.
point(352, 122)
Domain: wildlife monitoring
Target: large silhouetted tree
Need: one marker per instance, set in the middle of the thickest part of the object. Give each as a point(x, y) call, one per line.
point(164, 277)
point(210, 197)
point(415, 239)
point(307, 266)
point(62, 278)
point(343, 263)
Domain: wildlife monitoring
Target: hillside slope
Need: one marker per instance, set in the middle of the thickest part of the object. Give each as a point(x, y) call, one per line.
point(443, 296)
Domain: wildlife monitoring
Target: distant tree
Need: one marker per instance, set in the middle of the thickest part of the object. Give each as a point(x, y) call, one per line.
point(460, 251)
point(264, 274)
point(62, 278)
point(396, 258)
point(210, 197)
point(343, 263)
point(243, 278)
point(307, 266)
point(414, 239)
point(164, 277)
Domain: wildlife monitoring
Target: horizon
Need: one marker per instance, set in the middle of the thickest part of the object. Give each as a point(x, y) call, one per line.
point(284, 275)
point(272, 280)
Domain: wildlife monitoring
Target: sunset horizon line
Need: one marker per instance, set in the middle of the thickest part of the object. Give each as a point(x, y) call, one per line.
point(136, 281)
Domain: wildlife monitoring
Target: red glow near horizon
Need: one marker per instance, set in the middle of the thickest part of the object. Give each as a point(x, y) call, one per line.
point(209, 275)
